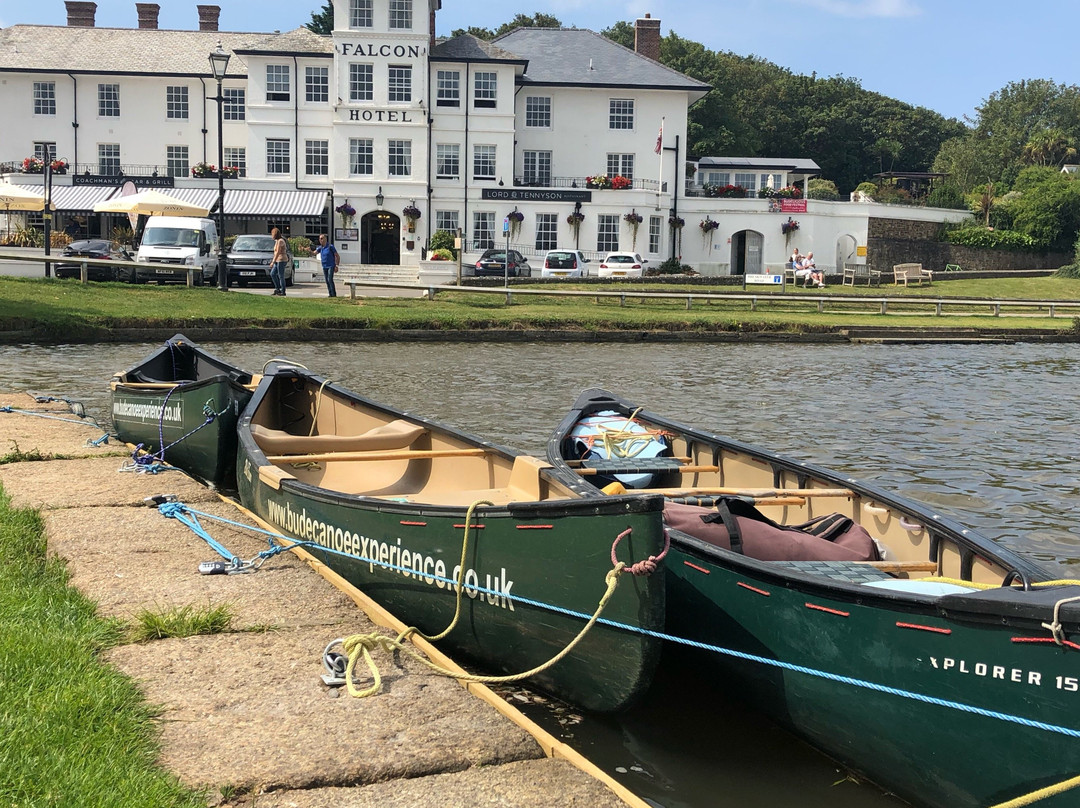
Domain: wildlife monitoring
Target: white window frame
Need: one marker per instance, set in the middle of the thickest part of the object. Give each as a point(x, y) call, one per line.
point(536, 167)
point(485, 89)
point(607, 232)
point(547, 231)
point(44, 97)
point(538, 112)
point(399, 158)
point(447, 220)
point(176, 102)
point(316, 84)
point(483, 232)
point(448, 88)
point(620, 164)
point(361, 81)
point(278, 156)
point(108, 100)
point(109, 159)
point(484, 155)
point(234, 107)
point(399, 84)
point(400, 15)
point(746, 180)
point(621, 114)
point(317, 158)
point(236, 157)
point(447, 161)
point(177, 161)
point(278, 83)
point(361, 14)
point(655, 231)
point(361, 157)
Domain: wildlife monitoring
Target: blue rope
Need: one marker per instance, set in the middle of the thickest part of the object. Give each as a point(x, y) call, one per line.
point(176, 507)
point(103, 439)
point(147, 461)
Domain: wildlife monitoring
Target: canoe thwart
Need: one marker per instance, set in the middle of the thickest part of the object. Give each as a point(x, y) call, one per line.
point(639, 465)
point(404, 454)
point(756, 493)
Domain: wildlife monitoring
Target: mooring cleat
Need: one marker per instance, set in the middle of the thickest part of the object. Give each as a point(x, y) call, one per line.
point(160, 499)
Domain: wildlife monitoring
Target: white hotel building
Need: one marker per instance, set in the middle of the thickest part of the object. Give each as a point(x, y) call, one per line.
point(382, 116)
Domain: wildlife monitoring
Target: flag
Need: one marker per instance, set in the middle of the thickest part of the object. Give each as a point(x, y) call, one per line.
point(660, 138)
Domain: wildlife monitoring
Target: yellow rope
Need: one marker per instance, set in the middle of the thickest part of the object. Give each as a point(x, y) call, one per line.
point(1041, 794)
point(974, 585)
point(622, 442)
point(359, 645)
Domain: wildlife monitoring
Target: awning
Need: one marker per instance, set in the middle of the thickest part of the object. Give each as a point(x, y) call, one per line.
point(200, 197)
point(240, 202)
point(80, 197)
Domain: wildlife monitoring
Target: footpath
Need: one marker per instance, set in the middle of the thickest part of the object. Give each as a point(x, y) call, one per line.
point(244, 714)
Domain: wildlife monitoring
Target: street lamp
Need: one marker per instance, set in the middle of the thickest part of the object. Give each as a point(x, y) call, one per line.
point(219, 63)
point(379, 198)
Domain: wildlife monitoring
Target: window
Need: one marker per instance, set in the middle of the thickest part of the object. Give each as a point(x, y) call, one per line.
point(277, 156)
point(446, 220)
point(448, 88)
point(654, 234)
point(108, 100)
point(400, 83)
point(176, 160)
point(176, 103)
point(747, 181)
point(448, 160)
point(547, 231)
point(537, 167)
point(483, 162)
point(108, 155)
point(313, 228)
point(400, 154)
point(361, 83)
point(620, 164)
point(607, 233)
point(277, 83)
point(621, 113)
point(484, 89)
point(236, 158)
point(45, 151)
point(400, 15)
point(316, 85)
point(538, 112)
point(777, 180)
point(235, 104)
point(720, 178)
point(361, 156)
point(317, 158)
point(483, 231)
point(360, 14)
point(44, 97)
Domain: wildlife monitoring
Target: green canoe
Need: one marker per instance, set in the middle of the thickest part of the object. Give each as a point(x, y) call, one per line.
point(947, 672)
point(382, 497)
point(180, 406)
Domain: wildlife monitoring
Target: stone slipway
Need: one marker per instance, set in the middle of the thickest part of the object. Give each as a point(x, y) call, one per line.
point(246, 710)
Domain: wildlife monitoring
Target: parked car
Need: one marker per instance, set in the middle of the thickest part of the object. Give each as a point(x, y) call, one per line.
point(492, 262)
point(249, 261)
point(622, 265)
point(99, 248)
point(564, 264)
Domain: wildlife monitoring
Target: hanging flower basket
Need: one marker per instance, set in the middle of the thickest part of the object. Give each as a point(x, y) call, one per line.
point(789, 227)
point(634, 219)
point(411, 214)
point(708, 228)
point(33, 165)
point(515, 217)
point(347, 212)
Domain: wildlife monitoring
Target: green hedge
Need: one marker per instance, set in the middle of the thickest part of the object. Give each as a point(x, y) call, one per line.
point(993, 239)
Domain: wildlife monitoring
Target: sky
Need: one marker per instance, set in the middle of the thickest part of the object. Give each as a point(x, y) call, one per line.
point(946, 55)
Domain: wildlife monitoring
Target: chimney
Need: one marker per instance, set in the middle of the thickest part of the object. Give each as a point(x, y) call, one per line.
point(208, 17)
point(647, 37)
point(81, 14)
point(148, 13)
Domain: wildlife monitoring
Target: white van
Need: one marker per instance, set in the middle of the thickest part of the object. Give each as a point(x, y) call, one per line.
point(171, 245)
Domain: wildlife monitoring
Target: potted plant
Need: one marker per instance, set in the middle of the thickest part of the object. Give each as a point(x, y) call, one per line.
point(574, 220)
point(33, 165)
point(230, 172)
point(634, 219)
point(204, 170)
point(347, 212)
point(620, 183)
point(411, 214)
point(58, 166)
point(598, 182)
point(516, 217)
point(676, 223)
point(708, 228)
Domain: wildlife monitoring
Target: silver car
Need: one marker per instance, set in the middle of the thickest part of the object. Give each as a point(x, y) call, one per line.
point(249, 261)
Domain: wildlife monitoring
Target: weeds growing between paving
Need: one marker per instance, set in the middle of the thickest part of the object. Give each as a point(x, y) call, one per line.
point(73, 731)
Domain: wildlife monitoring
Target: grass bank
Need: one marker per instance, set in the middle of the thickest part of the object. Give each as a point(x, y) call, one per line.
point(45, 308)
point(73, 731)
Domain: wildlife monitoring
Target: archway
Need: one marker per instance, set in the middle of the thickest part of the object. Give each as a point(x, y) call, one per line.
point(746, 253)
point(846, 251)
point(380, 238)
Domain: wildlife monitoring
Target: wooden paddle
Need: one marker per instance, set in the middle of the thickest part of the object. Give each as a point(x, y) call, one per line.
point(403, 454)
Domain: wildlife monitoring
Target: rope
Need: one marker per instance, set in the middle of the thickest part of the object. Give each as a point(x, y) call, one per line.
point(774, 663)
point(1041, 794)
point(83, 421)
point(318, 406)
point(154, 462)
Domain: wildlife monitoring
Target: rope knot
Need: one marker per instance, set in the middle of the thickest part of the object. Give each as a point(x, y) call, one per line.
point(646, 567)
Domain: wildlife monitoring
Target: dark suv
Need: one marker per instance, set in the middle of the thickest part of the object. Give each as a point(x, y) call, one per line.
point(493, 262)
point(249, 261)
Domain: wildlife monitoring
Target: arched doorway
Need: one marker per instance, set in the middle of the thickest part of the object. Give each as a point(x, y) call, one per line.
point(846, 250)
point(380, 240)
point(746, 253)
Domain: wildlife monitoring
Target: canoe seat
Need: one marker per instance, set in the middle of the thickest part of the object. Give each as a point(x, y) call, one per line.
point(849, 571)
point(632, 465)
point(394, 435)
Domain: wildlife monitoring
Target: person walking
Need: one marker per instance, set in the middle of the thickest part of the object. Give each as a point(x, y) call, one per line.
point(330, 258)
point(277, 265)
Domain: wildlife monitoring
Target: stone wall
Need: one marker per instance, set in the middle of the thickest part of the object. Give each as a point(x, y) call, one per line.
point(895, 241)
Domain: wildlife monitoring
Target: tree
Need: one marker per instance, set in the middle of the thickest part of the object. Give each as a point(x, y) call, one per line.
point(1050, 147)
point(322, 22)
point(537, 20)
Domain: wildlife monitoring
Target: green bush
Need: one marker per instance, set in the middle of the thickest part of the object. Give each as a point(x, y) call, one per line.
point(442, 254)
point(993, 239)
point(300, 246)
point(229, 242)
point(947, 196)
point(442, 240)
point(867, 188)
point(672, 266)
point(822, 189)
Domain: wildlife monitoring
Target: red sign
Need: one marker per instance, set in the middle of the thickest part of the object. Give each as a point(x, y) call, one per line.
point(793, 206)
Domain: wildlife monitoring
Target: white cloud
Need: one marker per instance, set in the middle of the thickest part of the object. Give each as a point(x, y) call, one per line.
point(865, 8)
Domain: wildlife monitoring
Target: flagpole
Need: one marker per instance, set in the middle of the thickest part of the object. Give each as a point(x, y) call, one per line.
point(660, 153)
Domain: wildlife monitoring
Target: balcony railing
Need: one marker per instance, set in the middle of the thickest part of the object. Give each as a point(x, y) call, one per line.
point(125, 170)
point(542, 181)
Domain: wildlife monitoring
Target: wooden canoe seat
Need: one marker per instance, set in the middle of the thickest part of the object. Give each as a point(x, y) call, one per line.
point(394, 435)
point(630, 465)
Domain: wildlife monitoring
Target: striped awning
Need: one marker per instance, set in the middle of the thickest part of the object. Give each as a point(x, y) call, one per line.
point(240, 202)
point(80, 197)
point(200, 197)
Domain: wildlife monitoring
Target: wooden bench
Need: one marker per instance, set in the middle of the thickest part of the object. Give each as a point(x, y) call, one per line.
point(852, 273)
point(911, 272)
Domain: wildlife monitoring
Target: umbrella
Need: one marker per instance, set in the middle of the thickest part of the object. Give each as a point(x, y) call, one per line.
point(150, 203)
point(15, 197)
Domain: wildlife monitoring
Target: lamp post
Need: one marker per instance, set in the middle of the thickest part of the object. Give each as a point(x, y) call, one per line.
point(219, 63)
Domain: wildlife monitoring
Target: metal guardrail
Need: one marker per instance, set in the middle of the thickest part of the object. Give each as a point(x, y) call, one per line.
point(998, 306)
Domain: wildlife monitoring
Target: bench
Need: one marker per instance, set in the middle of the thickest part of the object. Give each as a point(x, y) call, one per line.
point(911, 272)
point(852, 272)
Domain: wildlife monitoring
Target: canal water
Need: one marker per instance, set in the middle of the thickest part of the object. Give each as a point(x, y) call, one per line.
point(988, 434)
